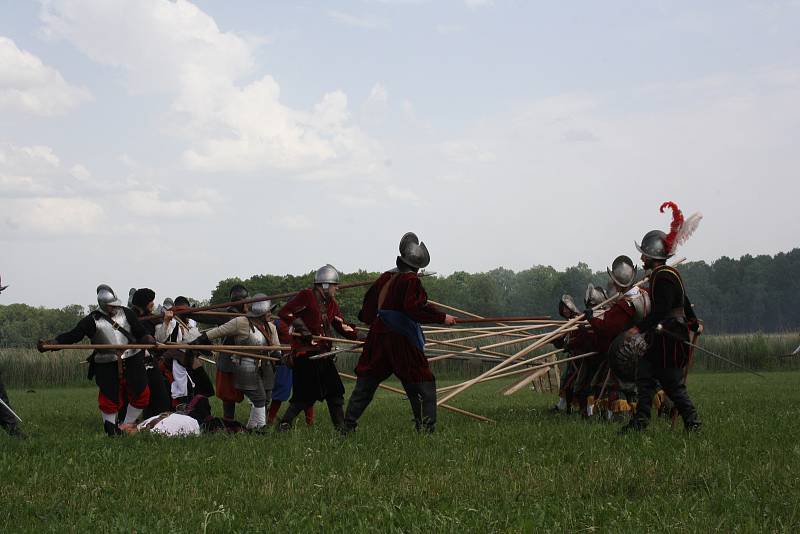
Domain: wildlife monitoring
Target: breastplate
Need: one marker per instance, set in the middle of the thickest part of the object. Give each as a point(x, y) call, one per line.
point(107, 334)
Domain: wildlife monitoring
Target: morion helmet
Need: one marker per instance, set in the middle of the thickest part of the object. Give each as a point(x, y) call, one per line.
point(106, 297)
point(622, 272)
point(413, 253)
point(661, 246)
point(594, 296)
point(567, 308)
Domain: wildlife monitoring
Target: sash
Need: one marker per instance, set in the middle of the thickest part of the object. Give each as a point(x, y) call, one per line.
point(403, 324)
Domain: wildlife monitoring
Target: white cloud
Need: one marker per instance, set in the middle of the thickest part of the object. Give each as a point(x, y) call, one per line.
point(365, 22)
point(397, 193)
point(27, 85)
point(148, 203)
point(478, 3)
point(80, 173)
point(466, 152)
point(175, 48)
point(295, 222)
point(53, 216)
point(447, 29)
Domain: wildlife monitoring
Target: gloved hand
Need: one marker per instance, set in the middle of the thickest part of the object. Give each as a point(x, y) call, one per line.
point(588, 313)
point(559, 342)
point(201, 340)
point(41, 343)
point(300, 328)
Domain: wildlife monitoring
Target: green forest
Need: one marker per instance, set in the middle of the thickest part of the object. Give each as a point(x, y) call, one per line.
point(749, 294)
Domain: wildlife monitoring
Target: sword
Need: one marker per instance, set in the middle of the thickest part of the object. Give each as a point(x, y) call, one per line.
point(660, 329)
point(7, 407)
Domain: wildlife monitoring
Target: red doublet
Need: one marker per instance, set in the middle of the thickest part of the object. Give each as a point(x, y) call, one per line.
point(305, 306)
point(386, 351)
point(612, 323)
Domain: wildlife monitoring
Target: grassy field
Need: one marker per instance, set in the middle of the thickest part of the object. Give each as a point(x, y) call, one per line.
point(530, 471)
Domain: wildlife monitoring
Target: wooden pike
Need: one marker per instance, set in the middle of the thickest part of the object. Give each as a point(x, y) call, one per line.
point(476, 336)
point(165, 346)
point(430, 329)
point(506, 375)
point(445, 406)
point(526, 362)
point(559, 332)
point(513, 388)
point(502, 319)
point(520, 340)
point(184, 311)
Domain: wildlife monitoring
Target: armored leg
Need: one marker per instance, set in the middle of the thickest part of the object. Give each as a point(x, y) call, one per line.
point(362, 395)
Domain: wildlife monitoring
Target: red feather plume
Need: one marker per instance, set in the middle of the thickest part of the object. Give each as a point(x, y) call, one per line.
point(675, 227)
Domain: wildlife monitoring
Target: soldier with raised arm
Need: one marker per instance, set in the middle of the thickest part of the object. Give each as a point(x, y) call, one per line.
point(394, 307)
point(120, 374)
point(253, 377)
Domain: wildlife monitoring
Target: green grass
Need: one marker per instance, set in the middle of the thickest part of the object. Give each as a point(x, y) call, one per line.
point(528, 472)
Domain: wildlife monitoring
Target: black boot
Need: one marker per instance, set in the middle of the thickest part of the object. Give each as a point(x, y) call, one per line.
point(428, 390)
point(13, 430)
point(632, 426)
point(111, 429)
point(359, 400)
point(229, 411)
point(692, 426)
point(336, 411)
point(285, 424)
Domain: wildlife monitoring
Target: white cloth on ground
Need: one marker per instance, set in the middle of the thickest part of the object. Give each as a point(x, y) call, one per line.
point(173, 425)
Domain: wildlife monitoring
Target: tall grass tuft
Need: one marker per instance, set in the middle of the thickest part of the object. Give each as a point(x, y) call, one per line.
point(27, 368)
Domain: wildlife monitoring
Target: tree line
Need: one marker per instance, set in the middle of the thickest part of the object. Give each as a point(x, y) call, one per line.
point(749, 294)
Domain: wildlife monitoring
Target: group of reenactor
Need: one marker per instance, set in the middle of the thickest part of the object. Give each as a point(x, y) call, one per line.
point(136, 384)
point(639, 340)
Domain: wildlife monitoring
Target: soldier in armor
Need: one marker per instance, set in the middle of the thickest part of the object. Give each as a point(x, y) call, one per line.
point(666, 326)
point(8, 421)
point(255, 378)
point(393, 307)
point(188, 378)
point(120, 374)
point(573, 343)
point(142, 303)
point(627, 311)
point(225, 379)
point(584, 388)
point(315, 312)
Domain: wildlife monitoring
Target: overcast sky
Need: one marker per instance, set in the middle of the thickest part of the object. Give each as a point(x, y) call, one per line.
point(172, 144)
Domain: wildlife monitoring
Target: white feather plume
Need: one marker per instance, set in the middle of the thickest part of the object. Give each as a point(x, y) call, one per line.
point(687, 228)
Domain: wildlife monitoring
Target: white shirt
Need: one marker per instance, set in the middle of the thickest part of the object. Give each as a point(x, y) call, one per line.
point(173, 425)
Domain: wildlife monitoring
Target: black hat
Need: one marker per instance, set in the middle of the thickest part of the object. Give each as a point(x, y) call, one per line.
point(182, 301)
point(142, 297)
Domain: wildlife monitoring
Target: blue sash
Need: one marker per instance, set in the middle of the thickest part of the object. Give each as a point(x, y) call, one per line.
point(403, 324)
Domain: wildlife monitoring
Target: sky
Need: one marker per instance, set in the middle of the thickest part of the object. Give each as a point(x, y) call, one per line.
point(173, 144)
